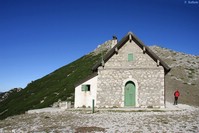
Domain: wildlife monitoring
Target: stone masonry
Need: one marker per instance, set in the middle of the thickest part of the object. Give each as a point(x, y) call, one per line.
point(143, 71)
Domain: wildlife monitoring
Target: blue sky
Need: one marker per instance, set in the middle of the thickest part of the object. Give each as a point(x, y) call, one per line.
point(40, 36)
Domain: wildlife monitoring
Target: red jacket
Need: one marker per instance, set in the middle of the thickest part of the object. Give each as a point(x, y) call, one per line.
point(177, 94)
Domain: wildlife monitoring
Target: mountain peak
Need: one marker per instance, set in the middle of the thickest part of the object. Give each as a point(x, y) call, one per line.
point(103, 47)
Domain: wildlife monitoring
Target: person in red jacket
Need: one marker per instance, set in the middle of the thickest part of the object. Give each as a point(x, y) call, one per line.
point(176, 95)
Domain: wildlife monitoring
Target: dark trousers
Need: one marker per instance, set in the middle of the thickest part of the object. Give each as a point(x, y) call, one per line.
point(176, 101)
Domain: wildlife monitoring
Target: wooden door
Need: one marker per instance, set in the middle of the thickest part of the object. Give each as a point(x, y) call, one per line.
point(129, 99)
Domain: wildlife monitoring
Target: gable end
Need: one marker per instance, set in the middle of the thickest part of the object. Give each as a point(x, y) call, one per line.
point(130, 36)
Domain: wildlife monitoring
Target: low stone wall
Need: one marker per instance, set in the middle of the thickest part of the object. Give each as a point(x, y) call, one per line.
point(62, 105)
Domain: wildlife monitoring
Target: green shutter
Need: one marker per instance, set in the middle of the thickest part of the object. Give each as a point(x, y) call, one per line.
point(85, 87)
point(130, 57)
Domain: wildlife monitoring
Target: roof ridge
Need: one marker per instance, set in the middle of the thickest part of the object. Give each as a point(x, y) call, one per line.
point(130, 33)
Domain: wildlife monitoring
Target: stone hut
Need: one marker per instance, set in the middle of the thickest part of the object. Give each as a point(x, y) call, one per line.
point(130, 75)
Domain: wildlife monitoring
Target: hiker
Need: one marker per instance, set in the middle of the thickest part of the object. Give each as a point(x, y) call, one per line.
point(176, 95)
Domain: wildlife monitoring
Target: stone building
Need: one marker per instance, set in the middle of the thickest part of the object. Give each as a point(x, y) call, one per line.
point(130, 75)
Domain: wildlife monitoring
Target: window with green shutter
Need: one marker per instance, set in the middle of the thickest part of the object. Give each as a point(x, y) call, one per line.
point(130, 57)
point(85, 88)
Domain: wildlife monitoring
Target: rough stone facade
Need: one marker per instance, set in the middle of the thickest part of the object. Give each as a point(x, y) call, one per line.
point(143, 71)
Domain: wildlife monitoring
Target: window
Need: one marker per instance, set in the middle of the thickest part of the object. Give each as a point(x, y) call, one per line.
point(86, 87)
point(130, 57)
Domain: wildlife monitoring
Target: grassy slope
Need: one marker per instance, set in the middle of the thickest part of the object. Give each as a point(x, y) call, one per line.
point(57, 85)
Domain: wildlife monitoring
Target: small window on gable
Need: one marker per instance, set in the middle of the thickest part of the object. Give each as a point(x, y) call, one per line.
point(86, 87)
point(130, 57)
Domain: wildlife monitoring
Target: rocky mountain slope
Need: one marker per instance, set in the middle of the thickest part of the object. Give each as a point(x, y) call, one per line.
point(184, 75)
point(5, 95)
point(59, 85)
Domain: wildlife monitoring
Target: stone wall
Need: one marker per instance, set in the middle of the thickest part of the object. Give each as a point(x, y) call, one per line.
point(143, 71)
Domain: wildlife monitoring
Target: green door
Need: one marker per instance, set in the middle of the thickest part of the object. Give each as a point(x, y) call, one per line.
point(129, 97)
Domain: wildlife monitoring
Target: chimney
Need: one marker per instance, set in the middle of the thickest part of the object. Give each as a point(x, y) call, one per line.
point(114, 41)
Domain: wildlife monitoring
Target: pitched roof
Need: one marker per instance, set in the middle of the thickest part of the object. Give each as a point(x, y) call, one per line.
point(131, 36)
point(85, 79)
